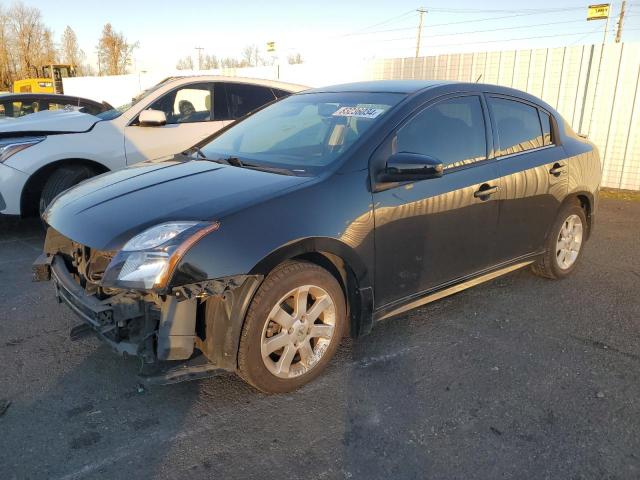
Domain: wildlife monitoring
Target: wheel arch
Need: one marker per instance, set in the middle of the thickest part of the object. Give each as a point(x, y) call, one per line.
point(343, 263)
point(33, 188)
point(586, 200)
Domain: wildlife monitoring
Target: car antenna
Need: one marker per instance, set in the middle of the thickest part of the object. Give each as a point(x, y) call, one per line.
point(479, 77)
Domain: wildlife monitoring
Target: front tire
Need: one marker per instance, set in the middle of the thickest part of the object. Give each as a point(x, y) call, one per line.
point(293, 327)
point(60, 180)
point(564, 244)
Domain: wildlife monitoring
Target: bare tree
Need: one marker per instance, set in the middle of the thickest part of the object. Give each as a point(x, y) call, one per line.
point(6, 67)
point(250, 56)
point(209, 62)
point(185, 63)
point(230, 62)
point(114, 52)
point(71, 53)
point(31, 41)
point(294, 59)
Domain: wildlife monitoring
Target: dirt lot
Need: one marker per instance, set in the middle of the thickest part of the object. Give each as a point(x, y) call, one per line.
point(518, 378)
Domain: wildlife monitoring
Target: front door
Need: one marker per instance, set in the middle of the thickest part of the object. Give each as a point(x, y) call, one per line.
point(191, 116)
point(433, 231)
point(533, 170)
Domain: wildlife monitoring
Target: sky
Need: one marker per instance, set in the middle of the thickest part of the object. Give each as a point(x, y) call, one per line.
point(320, 30)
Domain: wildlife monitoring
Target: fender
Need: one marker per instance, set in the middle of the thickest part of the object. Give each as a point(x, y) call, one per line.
point(353, 274)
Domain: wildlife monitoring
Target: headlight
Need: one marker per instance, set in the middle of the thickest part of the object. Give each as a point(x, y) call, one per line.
point(11, 146)
point(156, 236)
point(147, 260)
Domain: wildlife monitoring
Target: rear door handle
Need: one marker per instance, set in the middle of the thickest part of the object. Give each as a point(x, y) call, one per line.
point(557, 169)
point(485, 191)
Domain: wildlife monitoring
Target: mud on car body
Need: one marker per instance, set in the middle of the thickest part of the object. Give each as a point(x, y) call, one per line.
point(258, 249)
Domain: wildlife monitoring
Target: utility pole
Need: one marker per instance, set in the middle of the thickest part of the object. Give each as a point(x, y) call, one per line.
point(620, 22)
point(199, 49)
point(421, 11)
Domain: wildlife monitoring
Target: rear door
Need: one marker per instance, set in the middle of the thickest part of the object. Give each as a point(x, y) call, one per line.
point(191, 116)
point(533, 172)
point(431, 232)
point(244, 98)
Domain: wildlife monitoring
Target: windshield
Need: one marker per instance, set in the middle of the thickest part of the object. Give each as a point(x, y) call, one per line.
point(116, 112)
point(303, 133)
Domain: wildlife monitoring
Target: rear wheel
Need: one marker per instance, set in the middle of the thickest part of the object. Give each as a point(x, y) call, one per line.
point(293, 328)
point(564, 244)
point(61, 180)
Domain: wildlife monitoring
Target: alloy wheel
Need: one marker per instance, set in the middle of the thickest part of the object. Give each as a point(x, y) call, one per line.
point(298, 331)
point(569, 242)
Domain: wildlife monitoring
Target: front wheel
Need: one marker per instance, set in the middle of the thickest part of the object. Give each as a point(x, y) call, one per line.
point(60, 180)
point(564, 244)
point(293, 327)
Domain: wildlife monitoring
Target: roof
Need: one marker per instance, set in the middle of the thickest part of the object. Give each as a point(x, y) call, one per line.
point(386, 86)
point(290, 87)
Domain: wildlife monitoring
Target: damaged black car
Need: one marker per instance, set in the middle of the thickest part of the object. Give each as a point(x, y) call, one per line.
point(315, 217)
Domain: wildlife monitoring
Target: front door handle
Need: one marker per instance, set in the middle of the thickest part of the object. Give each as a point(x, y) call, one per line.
point(557, 169)
point(485, 191)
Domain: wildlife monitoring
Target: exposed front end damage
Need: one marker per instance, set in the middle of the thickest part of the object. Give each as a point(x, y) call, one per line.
point(195, 320)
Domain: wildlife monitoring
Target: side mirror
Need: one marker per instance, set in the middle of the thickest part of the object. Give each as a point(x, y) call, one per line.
point(409, 167)
point(152, 118)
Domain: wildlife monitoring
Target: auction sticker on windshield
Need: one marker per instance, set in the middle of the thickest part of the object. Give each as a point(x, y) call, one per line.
point(359, 112)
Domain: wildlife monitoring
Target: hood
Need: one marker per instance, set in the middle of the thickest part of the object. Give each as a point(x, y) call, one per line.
point(106, 211)
point(50, 121)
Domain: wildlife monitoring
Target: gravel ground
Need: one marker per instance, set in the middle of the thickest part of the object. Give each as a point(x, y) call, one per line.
point(518, 378)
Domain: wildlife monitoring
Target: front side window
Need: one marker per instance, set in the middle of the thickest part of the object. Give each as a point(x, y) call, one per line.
point(518, 126)
point(452, 131)
point(189, 104)
point(302, 133)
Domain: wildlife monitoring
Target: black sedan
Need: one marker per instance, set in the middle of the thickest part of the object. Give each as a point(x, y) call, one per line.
point(316, 217)
point(21, 104)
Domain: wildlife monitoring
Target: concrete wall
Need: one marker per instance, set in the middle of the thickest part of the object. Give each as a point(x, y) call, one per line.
point(596, 89)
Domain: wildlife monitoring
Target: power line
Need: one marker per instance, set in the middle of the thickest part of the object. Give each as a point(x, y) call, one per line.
point(439, 35)
point(513, 39)
point(389, 20)
point(465, 21)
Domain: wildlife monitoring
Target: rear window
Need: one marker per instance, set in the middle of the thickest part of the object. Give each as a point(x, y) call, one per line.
point(518, 126)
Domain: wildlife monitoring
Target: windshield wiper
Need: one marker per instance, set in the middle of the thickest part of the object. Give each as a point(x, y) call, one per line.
point(198, 152)
point(236, 162)
point(233, 161)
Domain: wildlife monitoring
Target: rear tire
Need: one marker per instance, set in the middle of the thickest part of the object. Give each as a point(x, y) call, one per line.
point(60, 180)
point(565, 243)
point(293, 327)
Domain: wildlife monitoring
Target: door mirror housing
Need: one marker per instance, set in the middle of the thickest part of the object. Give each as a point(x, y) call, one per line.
point(152, 118)
point(409, 167)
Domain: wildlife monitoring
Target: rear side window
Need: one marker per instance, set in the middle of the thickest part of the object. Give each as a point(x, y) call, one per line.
point(545, 121)
point(242, 99)
point(451, 131)
point(518, 126)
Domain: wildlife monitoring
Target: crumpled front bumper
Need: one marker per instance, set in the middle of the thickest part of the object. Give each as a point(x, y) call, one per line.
point(165, 325)
point(101, 316)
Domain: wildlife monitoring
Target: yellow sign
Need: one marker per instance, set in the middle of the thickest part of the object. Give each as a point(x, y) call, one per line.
point(271, 46)
point(598, 12)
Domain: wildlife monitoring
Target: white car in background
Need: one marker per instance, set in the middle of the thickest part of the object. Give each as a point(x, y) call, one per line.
point(45, 153)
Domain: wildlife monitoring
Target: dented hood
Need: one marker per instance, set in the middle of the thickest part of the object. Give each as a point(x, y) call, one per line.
point(108, 210)
point(50, 122)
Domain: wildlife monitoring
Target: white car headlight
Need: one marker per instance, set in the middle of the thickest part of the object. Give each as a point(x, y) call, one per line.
point(148, 259)
point(11, 146)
